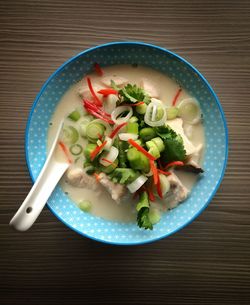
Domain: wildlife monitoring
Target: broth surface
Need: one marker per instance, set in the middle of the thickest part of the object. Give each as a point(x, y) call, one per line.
point(102, 204)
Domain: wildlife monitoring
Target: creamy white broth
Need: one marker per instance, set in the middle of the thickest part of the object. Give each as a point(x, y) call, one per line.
point(102, 204)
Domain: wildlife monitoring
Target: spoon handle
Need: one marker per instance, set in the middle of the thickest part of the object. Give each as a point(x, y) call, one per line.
point(38, 195)
point(47, 180)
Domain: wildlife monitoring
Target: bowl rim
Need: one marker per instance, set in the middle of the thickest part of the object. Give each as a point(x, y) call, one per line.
point(173, 54)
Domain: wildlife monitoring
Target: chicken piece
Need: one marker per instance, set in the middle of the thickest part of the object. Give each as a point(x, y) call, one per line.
point(188, 130)
point(147, 85)
point(196, 155)
point(177, 193)
point(119, 80)
point(177, 126)
point(116, 190)
point(78, 178)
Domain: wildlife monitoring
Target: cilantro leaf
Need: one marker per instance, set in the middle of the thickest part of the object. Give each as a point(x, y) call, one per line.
point(165, 132)
point(174, 149)
point(133, 94)
point(142, 207)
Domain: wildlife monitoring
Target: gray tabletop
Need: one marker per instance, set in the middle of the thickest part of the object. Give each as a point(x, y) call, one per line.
point(208, 262)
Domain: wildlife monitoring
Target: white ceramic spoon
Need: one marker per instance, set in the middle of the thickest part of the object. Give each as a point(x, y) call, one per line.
point(47, 180)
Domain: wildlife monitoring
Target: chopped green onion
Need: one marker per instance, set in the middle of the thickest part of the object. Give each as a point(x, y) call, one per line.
point(109, 157)
point(109, 169)
point(124, 136)
point(160, 113)
point(147, 133)
point(89, 148)
point(153, 149)
point(132, 128)
point(137, 184)
point(94, 131)
point(159, 143)
point(138, 160)
point(83, 125)
point(70, 135)
point(108, 144)
point(155, 115)
point(99, 142)
point(141, 109)
point(76, 149)
point(122, 157)
point(155, 146)
point(154, 215)
point(189, 110)
point(133, 119)
point(172, 113)
point(85, 205)
point(139, 142)
point(143, 202)
point(74, 115)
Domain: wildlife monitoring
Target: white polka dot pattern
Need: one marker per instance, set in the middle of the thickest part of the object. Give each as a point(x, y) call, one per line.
point(183, 73)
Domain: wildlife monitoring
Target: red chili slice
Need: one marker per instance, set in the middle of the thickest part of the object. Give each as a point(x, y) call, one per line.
point(114, 132)
point(176, 97)
point(108, 91)
point(96, 99)
point(97, 150)
point(174, 163)
point(98, 69)
point(141, 149)
point(65, 150)
point(164, 172)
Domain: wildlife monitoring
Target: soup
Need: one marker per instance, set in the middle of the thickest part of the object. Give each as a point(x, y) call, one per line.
point(136, 141)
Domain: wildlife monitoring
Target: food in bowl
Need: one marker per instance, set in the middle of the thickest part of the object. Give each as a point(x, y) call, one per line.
point(135, 140)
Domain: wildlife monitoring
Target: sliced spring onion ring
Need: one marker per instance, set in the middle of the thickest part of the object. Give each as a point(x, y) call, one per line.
point(189, 110)
point(149, 174)
point(135, 185)
point(105, 124)
point(154, 112)
point(153, 108)
point(108, 144)
point(70, 135)
point(109, 157)
point(165, 184)
point(82, 123)
point(76, 149)
point(118, 111)
point(124, 136)
point(110, 103)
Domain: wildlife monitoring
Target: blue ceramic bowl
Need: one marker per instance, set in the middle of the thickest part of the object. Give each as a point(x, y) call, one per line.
point(175, 67)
